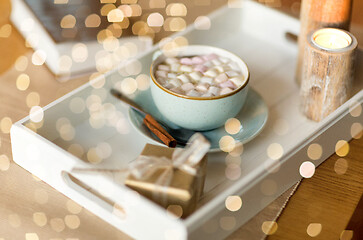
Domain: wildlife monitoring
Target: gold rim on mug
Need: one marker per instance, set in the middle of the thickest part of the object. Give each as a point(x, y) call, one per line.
point(201, 98)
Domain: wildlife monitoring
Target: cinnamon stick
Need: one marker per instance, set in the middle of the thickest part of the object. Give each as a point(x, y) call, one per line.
point(159, 131)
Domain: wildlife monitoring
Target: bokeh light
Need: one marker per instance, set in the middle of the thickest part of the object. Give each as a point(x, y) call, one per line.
point(346, 235)
point(76, 149)
point(36, 114)
point(174, 211)
point(39, 57)
point(155, 20)
point(40, 219)
point(4, 162)
point(314, 229)
point(238, 150)
point(342, 148)
point(356, 130)
point(57, 224)
point(106, 9)
point(72, 221)
point(128, 85)
point(227, 223)
point(269, 227)
point(202, 23)
point(157, 3)
point(232, 126)
point(93, 157)
point(233, 172)
point(31, 236)
point(275, 151)
point(5, 124)
point(176, 9)
point(233, 203)
point(115, 15)
point(92, 21)
point(174, 24)
point(79, 52)
point(227, 143)
point(77, 105)
point(5, 31)
point(315, 151)
point(355, 108)
point(341, 166)
point(307, 169)
point(21, 63)
point(22, 82)
point(68, 21)
point(143, 82)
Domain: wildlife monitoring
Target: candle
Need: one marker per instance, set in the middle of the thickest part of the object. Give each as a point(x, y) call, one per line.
point(331, 39)
point(317, 14)
point(327, 72)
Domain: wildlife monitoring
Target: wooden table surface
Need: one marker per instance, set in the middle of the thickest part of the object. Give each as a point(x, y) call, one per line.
point(321, 206)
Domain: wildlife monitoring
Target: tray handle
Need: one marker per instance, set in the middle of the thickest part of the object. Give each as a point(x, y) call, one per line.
point(90, 196)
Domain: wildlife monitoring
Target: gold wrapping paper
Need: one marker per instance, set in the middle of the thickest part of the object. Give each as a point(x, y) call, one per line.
point(184, 190)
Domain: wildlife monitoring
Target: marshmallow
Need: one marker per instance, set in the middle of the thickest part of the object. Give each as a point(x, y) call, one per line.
point(238, 81)
point(226, 91)
point(208, 94)
point(210, 57)
point(184, 78)
point(214, 90)
point(197, 60)
point(208, 64)
point(185, 68)
point(232, 74)
point(219, 69)
point(202, 87)
point(196, 76)
point(168, 85)
point(164, 67)
point(175, 67)
point(177, 90)
point(207, 80)
point(172, 75)
point(171, 60)
point(234, 66)
point(216, 62)
point(186, 61)
point(200, 68)
point(187, 87)
point(193, 93)
point(176, 82)
point(227, 84)
point(160, 73)
point(211, 73)
point(221, 78)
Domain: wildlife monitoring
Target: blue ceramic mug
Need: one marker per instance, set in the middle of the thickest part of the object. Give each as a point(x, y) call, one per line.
point(198, 113)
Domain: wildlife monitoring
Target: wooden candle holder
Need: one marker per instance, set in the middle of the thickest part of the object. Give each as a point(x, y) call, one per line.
point(326, 78)
point(317, 14)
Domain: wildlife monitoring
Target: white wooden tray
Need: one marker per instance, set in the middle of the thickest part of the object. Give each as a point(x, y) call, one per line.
point(258, 35)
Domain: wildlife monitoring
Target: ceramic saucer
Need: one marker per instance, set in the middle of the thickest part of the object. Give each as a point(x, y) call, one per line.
point(253, 117)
